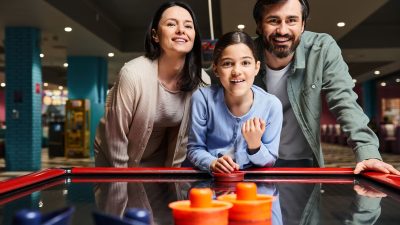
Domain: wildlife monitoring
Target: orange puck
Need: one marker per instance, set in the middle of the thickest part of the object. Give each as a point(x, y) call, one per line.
point(248, 206)
point(200, 209)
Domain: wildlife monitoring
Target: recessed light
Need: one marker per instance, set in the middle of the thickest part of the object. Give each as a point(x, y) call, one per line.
point(377, 72)
point(383, 84)
point(3, 84)
point(60, 87)
point(354, 80)
point(398, 80)
point(45, 84)
point(110, 54)
point(341, 24)
point(41, 55)
point(241, 26)
point(67, 29)
point(65, 64)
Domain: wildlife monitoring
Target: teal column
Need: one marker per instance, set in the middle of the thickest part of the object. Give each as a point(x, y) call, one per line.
point(369, 99)
point(87, 79)
point(23, 99)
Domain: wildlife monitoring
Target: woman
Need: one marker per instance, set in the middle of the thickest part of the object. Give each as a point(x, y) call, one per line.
point(146, 116)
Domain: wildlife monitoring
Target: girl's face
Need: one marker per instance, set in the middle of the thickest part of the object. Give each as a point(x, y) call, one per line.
point(175, 32)
point(236, 69)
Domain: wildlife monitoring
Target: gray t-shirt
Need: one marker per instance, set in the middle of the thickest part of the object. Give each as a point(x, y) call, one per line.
point(169, 114)
point(293, 145)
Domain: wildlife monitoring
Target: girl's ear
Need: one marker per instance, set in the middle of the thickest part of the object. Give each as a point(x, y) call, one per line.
point(257, 67)
point(214, 69)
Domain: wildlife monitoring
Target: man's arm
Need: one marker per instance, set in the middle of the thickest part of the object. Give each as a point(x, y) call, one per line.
point(341, 99)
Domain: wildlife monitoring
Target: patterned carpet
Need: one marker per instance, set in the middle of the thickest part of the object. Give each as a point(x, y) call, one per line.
point(335, 156)
point(343, 156)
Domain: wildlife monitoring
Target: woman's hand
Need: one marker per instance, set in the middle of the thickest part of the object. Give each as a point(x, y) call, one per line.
point(224, 164)
point(252, 131)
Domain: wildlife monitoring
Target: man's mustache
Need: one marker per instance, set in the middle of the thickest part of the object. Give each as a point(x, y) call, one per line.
point(288, 36)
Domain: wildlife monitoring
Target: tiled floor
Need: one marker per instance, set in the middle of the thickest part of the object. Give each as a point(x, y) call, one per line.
point(335, 156)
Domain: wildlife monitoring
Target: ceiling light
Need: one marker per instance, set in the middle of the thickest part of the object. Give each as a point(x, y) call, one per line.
point(41, 55)
point(241, 26)
point(341, 24)
point(354, 80)
point(383, 84)
point(110, 54)
point(3, 84)
point(398, 80)
point(65, 64)
point(67, 29)
point(60, 87)
point(377, 72)
point(45, 84)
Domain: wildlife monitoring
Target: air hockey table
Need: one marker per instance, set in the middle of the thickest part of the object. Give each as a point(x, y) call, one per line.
point(302, 195)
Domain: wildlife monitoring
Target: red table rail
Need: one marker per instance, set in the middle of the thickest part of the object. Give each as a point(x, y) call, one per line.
point(29, 179)
point(48, 174)
point(188, 170)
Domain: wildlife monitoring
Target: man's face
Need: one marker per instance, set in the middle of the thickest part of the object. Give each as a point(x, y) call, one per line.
point(281, 27)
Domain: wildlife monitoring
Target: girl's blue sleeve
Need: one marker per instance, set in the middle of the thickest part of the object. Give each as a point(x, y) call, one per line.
point(268, 153)
point(197, 144)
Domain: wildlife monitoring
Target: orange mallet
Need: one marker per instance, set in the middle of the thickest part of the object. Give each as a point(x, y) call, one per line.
point(248, 206)
point(200, 209)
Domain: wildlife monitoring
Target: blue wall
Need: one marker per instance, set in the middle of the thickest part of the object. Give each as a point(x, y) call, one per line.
point(87, 79)
point(23, 100)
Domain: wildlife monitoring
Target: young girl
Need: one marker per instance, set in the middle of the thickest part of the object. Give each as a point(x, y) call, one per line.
point(236, 125)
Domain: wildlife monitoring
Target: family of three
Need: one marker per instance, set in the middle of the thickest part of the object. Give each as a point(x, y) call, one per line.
point(263, 111)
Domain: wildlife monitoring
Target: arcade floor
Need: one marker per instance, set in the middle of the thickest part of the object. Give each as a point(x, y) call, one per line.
point(335, 156)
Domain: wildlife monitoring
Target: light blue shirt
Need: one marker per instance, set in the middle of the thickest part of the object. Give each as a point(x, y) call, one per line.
point(215, 130)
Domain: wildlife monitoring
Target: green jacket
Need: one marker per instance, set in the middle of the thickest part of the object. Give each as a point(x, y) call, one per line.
point(318, 67)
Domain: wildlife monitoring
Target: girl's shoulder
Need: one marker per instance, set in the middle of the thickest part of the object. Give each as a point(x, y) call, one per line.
point(261, 96)
point(209, 90)
point(207, 93)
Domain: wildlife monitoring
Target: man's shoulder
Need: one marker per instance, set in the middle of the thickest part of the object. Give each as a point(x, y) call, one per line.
point(316, 39)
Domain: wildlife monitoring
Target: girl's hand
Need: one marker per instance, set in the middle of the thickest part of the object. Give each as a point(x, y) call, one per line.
point(252, 131)
point(224, 164)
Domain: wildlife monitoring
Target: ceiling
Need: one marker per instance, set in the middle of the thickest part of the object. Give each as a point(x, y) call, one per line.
point(369, 41)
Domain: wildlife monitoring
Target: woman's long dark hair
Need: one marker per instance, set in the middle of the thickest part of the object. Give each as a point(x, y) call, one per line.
point(191, 72)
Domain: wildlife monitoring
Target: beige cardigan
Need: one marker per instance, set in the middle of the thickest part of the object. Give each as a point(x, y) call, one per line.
point(123, 133)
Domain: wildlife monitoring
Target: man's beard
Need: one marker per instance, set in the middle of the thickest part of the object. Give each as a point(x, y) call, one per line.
point(281, 51)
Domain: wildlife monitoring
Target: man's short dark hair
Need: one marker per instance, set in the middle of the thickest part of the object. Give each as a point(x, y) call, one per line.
point(258, 10)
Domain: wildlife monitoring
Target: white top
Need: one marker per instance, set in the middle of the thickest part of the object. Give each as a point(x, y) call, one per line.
point(293, 145)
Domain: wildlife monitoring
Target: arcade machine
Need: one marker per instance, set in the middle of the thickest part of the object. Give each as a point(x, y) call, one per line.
point(77, 128)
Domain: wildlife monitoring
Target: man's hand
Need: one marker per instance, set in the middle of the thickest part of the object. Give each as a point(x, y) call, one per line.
point(368, 192)
point(252, 131)
point(224, 164)
point(375, 165)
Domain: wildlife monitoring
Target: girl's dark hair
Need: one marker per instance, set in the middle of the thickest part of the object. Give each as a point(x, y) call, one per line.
point(191, 72)
point(231, 38)
point(258, 10)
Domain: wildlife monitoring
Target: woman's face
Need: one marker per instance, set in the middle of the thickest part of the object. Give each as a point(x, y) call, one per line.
point(175, 33)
